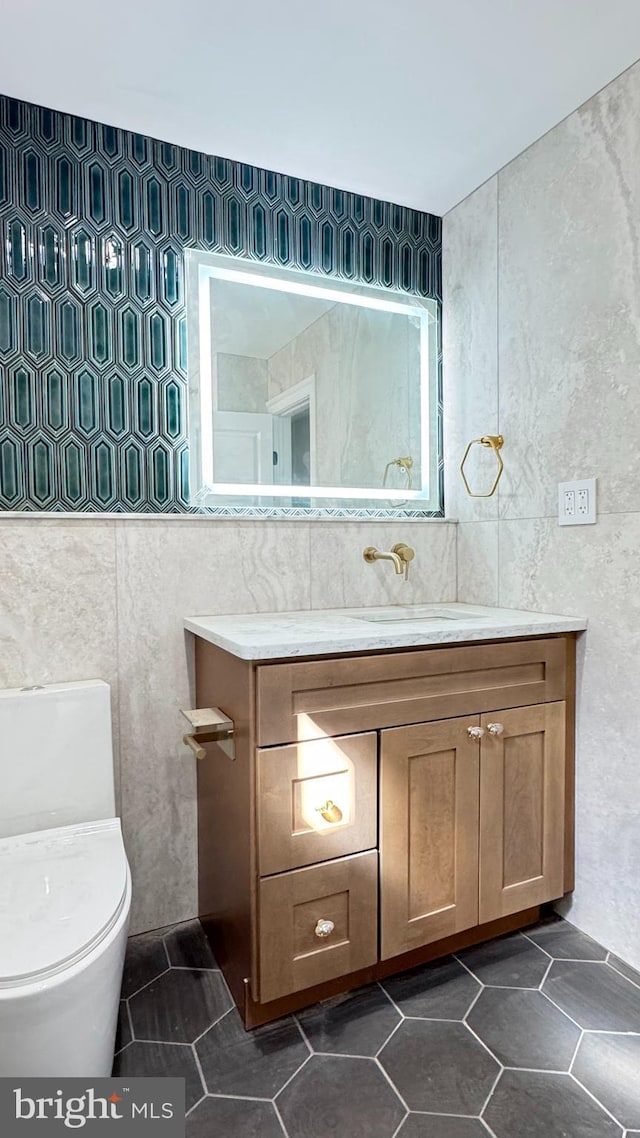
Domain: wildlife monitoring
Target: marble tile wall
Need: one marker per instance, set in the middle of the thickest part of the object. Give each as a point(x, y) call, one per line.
point(542, 343)
point(105, 597)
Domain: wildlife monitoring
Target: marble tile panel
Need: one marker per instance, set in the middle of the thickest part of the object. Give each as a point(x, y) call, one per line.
point(341, 578)
point(595, 571)
point(470, 368)
point(478, 544)
point(569, 321)
point(166, 570)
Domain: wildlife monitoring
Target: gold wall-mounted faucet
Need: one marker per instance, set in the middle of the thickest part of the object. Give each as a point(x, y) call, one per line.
point(401, 555)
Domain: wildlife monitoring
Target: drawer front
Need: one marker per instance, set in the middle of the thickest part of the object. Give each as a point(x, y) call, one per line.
point(292, 954)
point(316, 800)
point(349, 694)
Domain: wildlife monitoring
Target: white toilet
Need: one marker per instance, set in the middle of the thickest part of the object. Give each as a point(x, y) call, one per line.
point(65, 887)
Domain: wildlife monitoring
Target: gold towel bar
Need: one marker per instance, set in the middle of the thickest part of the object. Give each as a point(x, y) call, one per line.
point(495, 442)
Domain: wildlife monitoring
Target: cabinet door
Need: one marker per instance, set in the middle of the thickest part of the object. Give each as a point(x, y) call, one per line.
point(429, 802)
point(521, 809)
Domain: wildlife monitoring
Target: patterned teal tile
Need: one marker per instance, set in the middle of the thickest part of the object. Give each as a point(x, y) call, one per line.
point(94, 222)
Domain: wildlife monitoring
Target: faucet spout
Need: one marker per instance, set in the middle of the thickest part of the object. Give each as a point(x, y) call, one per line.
point(400, 556)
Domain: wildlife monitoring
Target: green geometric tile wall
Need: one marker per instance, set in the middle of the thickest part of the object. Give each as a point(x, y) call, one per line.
point(94, 222)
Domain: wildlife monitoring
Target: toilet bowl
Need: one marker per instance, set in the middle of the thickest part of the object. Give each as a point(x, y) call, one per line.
point(65, 886)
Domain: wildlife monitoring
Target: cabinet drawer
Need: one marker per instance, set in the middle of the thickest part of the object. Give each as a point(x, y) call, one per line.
point(316, 800)
point(292, 956)
point(310, 700)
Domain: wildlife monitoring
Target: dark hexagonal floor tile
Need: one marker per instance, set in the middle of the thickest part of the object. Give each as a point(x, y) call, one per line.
point(356, 1024)
point(523, 1029)
point(609, 1067)
point(188, 947)
point(439, 1067)
point(233, 1118)
point(565, 942)
point(441, 1126)
point(534, 1104)
point(179, 1006)
point(442, 990)
point(123, 1030)
point(257, 1063)
point(338, 1096)
point(145, 959)
point(594, 995)
point(508, 962)
point(162, 1060)
point(625, 969)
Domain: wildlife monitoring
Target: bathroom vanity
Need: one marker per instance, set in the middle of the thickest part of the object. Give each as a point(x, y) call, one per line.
point(400, 785)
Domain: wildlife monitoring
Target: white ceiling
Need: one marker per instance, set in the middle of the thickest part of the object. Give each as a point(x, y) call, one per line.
point(415, 101)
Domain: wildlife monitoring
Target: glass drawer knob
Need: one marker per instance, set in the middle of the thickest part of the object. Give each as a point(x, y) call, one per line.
point(475, 733)
point(324, 928)
point(495, 728)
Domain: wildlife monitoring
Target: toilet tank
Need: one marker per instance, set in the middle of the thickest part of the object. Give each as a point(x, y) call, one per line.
point(56, 757)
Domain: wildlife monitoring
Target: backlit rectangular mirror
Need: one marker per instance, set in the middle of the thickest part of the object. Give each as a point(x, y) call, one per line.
point(307, 392)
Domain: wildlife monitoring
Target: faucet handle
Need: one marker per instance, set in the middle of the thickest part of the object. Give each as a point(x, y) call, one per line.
point(406, 555)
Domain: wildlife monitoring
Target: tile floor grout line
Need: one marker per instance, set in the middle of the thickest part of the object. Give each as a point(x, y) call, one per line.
point(213, 1024)
point(596, 1100)
point(148, 983)
point(392, 1084)
point(292, 1077)
point(130, 1021)
point(473, 1003)
point(162, 1043)
point(192, 1108)
point(627, 978)
point(546, 973)
point(389, 1038)
point(483, 1122)
point(166, 950)
point(238, 1098)
point(305, 1038)
point(491, 1092)
point(573, 1021)
point(400, 1125)
point(392, 1001)
point(575, 1053)
point(485, 1045)
point(280, 1119)
point(196, 1059)
point(526, 937)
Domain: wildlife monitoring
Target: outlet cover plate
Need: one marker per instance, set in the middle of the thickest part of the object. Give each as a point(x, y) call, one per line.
point(577, 502)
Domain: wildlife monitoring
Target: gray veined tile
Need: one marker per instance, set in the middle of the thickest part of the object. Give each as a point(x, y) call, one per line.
point(161, 1060)
point(442, 990)
point(594, 995)
point(508, 962)
point(565, 942)
point(535, 1104)
point(233, 1118)
point(187, 946)
point(145, 960)
point(609, 1067)
point(441, 1126)
point(439, 1067)
point(256, 1063)
point(340, 1097)
point(179, 1006)
point(524, 1029)
point(356, 1024)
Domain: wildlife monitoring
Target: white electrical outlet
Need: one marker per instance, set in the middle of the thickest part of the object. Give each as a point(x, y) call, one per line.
point(577, 502)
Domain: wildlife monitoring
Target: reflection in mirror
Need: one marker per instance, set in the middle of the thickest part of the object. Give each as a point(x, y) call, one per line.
point(307, 392)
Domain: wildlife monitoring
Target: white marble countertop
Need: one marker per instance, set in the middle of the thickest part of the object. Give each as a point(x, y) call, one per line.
point(323, 632)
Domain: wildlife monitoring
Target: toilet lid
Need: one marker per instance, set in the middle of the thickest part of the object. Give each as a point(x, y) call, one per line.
point(61, 891)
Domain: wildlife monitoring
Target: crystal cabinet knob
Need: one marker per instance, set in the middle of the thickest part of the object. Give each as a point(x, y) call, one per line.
point(324, 928)
point(495, 728)
point(475, 733)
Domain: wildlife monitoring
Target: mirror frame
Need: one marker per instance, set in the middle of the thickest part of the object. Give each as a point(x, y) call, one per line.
point(201, 268)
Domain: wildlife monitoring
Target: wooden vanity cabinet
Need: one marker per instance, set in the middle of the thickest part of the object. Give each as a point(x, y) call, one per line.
point(382, 810)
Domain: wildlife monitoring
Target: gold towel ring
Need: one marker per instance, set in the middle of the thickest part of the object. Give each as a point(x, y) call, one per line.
point(496, 443)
